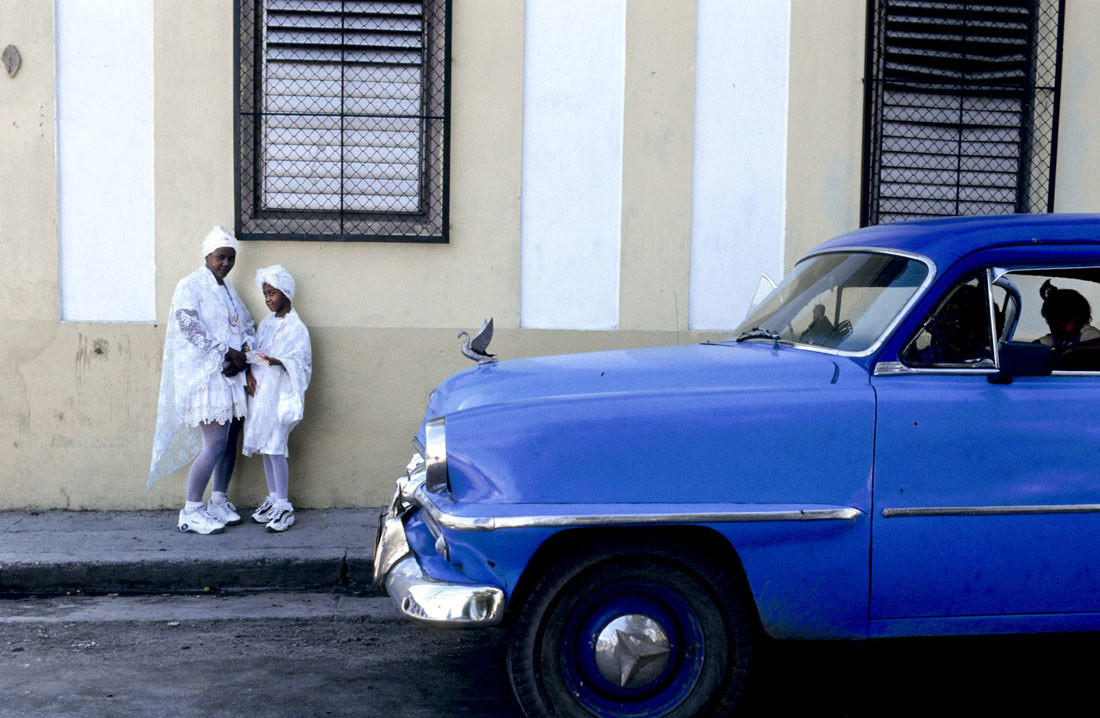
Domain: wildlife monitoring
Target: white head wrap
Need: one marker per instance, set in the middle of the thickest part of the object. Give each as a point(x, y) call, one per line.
point(278, 277)
point(216, 238)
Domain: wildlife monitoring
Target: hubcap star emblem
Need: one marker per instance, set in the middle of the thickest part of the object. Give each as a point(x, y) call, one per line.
point(632, 651)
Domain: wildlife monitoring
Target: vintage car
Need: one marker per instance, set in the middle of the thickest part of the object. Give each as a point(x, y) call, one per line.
point(902, 439)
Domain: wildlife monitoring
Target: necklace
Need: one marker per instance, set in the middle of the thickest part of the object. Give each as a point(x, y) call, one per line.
point(232, 313)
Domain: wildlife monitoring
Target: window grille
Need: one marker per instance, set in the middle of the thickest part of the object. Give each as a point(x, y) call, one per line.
point(961, 107)
point(342, 119)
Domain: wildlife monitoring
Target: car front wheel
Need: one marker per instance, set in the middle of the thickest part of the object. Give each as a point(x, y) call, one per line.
point(637, 629)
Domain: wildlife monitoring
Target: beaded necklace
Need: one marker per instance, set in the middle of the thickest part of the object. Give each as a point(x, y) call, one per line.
point(232, 313)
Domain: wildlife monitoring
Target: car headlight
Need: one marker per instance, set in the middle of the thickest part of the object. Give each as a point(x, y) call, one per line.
point(435, 456)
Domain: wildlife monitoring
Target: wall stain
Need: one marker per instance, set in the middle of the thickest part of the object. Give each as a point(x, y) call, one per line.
point(81, 361)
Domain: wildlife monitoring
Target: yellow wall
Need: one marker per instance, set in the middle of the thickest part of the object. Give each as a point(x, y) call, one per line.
point(657, 162)
point(371, 307)
point(78, 400)
point(824, 122)
point(359, 283)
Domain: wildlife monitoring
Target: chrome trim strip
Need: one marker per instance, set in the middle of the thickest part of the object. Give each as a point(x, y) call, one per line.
point(991, 510)
point(891, 368)
point(994, 338)
point(895, 368)
point(487, 523)
point(441, 545)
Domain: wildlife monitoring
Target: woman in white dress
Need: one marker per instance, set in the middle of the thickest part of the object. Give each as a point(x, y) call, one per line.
point(282, 365)
point(203, 385)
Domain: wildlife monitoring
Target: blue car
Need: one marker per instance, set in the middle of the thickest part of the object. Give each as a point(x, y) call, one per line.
point(902, 439)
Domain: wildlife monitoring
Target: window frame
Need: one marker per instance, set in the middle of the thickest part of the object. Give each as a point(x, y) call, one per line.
point(429, 225)
point(990, 276)
point(1054, 270)
point(985, 283)
point(1031, 195)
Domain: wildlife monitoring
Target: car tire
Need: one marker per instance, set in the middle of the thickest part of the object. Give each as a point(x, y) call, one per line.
point(631, 628)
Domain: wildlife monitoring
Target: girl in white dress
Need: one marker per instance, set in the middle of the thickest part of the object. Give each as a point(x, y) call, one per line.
point(203, 383)
point(282, 364)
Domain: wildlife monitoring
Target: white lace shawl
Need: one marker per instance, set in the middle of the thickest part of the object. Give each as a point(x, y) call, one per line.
point(280, 391)
point(195, 342)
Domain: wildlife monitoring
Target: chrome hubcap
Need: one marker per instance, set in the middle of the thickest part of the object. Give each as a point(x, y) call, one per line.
point(632, 650)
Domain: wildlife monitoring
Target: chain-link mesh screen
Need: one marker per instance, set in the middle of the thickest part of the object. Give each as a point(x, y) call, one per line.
point(342, 117)
point(962, 103)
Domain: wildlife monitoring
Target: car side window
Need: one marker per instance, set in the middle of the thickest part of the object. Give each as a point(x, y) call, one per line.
point(1056, 307)
point(957, 335)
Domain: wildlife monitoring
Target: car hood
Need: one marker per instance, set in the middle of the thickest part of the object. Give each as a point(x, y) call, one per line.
point(636, 371)
point(713, 422)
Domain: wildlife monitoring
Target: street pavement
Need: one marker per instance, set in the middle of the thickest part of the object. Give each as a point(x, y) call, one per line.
point(346, 650)
point(98, 552)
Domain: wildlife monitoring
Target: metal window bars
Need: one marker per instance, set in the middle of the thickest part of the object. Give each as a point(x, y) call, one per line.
point(961, 107)
point(342, 119)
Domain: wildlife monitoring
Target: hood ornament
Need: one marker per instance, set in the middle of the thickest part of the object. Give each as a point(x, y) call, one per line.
point(476, 348)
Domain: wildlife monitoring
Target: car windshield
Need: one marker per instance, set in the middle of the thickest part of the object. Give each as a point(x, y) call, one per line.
point(838, 300)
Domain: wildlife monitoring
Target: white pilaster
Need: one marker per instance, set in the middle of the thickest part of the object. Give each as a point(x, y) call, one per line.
point(574, 54)
point(104, 88)
point(740, 158)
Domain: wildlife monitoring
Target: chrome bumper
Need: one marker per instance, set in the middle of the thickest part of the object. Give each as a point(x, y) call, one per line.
point(421, 597)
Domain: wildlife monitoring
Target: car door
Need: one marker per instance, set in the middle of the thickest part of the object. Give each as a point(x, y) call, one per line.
point(986, 495)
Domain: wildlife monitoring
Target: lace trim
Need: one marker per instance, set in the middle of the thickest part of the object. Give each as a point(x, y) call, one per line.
point(192, 330)
point(194, 417)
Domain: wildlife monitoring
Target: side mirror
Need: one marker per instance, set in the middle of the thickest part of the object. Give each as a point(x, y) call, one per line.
point(1023, 359)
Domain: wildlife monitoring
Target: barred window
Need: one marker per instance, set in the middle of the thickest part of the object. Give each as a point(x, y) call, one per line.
point(961, 107)
point(342, 120)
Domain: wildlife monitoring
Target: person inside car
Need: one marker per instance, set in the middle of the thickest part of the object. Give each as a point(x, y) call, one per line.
point(820, 327)
point(1068, 314)
point(959, 330)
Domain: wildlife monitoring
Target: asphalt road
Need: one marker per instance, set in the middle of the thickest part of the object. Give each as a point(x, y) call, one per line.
point(270, 654)
point(318, 654)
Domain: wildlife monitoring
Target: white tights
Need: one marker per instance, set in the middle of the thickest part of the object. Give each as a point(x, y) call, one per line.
point(277, 473)
point(219, 453)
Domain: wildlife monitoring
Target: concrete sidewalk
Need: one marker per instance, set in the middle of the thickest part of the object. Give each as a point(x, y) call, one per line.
point(57, 552)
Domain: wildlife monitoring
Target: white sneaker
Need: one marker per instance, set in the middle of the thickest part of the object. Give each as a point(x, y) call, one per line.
point(281, 520)
point(199, 521)
point(265, 513)
point(224, 512)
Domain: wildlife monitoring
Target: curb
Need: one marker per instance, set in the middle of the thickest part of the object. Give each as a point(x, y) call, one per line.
point(98, 552)
point(340, 570)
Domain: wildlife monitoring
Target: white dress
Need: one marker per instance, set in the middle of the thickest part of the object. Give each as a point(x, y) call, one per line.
point(205, 320)
point(279, 402)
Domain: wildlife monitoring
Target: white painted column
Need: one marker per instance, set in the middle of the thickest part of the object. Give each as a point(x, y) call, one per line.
point(105, 159)
point(574, 55)
point(740, 159)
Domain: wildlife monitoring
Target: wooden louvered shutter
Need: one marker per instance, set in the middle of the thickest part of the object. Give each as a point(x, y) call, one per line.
point(343, 125)
point(957, 108)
